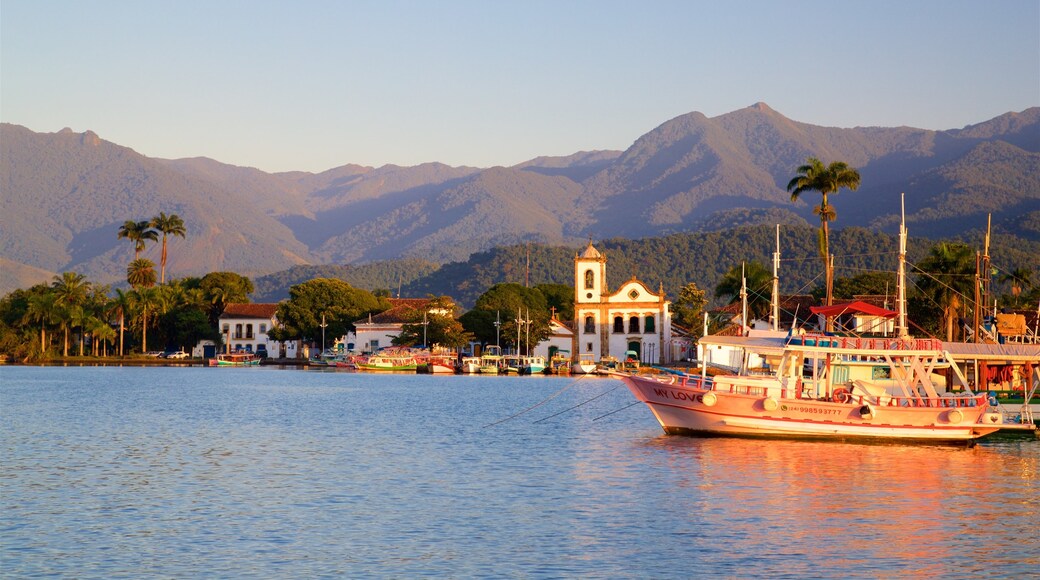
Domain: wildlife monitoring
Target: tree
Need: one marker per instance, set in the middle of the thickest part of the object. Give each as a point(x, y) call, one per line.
point(141, 273)
point(168, 225)
point(121, 305)
point(339, 302)
point(759, 288)
point(947, 278)
point(876, 283)
point(688, 308)
point(813, 176)
point(138, 233)
point(434, 325)
point(1020, 278)
point(523, 314)
point(222, 288)
point(560, 297)
point(43, 309)
point(71, 290)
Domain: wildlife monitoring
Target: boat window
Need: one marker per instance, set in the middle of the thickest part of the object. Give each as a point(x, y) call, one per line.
point(633, 324)
point(590, 325)
point(589, 278)
point(648, 326)
point(619, 324)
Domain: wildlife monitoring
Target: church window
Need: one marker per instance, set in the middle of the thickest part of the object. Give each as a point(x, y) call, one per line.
point(648, 326)
point(590, 325)
point(589, 279)
point(588, 347)
point(633, 324)
point(633, 294)
point(619, 324)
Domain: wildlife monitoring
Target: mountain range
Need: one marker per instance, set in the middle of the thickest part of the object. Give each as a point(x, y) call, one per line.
point(65, 194)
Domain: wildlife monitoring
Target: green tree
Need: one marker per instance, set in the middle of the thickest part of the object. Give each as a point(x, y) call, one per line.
point(138, 233)
point(688, 308)
point(523, 314)
point(947, 279)
point(1020, 279)
point(141, 273)
point(121, 306)
point(759, 288)
point(434, 325)
point(44, 309)
point(339, 302)
point(814, 176)
point(560, 297)
point(71, 290)
point(866, 283)
point(222, 288)
point(171, 225)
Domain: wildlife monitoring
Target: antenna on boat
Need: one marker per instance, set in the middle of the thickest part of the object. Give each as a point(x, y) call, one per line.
point(775, 306)
point(901, 330)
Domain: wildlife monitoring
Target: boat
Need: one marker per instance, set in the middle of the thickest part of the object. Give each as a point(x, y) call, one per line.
point(387, 362)
point(235, 359)
point(788, 404)
point(491, 360)
point(532, 365)
point(437, 364)
point(585, 365)
point(510, 364)
point(814, 385)
point(469, 365)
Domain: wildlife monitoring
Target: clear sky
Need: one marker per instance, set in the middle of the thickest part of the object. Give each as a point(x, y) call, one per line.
point(312, 85)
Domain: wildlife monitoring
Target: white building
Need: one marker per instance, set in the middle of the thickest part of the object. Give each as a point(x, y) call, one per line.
point(561, 338)
point(379, 330)
point(244, 328)
point(633, 318)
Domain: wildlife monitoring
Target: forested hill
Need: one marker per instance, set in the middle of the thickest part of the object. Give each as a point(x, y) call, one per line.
point(672, 261)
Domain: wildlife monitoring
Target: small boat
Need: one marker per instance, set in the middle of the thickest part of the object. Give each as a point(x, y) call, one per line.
point(235, 359)
point(387, 362)
point(491, 360)
point(585, 365)
point(532, 365)
point(470, 365)
point(510, 364)
point(438, 364)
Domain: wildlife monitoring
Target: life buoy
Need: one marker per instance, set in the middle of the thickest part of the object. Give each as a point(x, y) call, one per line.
point(709, 399)
point(770, 404)
point(954, 416)
point(841, 395)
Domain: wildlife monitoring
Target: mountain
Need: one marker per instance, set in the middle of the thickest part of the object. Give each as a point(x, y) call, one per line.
point(65, 195)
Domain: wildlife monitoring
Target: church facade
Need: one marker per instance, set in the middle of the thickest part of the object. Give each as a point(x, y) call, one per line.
point(633, 318)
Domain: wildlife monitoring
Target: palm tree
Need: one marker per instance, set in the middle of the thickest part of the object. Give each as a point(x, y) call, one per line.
point(1020, 278)
point(814, 176)
point(71, 290)
point(948, 277)
point(141, 273)
point(138, 233)
point(143, 299)
point(169, 225)
point(121, 304)
point(759, 287)
point(42, 309)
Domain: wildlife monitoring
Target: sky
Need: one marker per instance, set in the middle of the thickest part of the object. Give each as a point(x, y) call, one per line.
point(312, 85)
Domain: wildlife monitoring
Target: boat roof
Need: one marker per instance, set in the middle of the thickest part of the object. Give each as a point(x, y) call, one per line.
point(855, 307)
point(761, 344)
point(965, 351)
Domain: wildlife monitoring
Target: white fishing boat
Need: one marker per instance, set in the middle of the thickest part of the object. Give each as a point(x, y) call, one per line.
point(470, 365)
point(532, 365)
point(491, 360)
point(585, 365)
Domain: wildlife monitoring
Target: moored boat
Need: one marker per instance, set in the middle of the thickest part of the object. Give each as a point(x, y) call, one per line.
point(491, 360)
point(532, 365)
point(387, 362)
point(585, 365)
point(786, 404)
point(234, 359)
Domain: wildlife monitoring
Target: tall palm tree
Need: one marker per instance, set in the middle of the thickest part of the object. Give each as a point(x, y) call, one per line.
point(814, 176)
point(42, 309)
point(1020, 278)
point(144, 300)
point(138, 233)
point(71, 290)
point(168, 225)
point(121, 305)
point(948, 278)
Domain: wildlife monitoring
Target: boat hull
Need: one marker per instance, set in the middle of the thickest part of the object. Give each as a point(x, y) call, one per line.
point(687, 407)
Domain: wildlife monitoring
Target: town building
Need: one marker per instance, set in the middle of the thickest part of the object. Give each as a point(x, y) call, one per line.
point(244, 328)
point(612, 324)
point(379, 330)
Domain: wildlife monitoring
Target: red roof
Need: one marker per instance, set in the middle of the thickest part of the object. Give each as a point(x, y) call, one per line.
point(401, 310)
point(260, 310)
point(857, 307)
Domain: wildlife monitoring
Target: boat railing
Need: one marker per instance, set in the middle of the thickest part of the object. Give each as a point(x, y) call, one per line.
point(866, 343)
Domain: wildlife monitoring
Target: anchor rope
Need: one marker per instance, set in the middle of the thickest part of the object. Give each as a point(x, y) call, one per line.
point(536, 405)
point(578, 405)
point(617, 410)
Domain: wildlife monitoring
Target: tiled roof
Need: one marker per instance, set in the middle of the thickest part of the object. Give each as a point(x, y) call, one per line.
point(258, 310)
point(400, 312)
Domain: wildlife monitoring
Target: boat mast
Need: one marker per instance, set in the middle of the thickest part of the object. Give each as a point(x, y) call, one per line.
point(775, 306)
point(743, 302)
point(901, 330)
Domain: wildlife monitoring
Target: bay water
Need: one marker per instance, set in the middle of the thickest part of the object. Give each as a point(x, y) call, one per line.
point(129, 472)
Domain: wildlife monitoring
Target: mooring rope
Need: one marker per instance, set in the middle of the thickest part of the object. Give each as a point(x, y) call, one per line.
point(536, 405)
point(579, 404)
point(617, 410)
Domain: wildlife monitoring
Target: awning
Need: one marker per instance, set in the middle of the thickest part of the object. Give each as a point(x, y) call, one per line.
point(857, 307)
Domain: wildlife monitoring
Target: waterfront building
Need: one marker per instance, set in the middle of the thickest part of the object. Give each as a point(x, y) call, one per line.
point(633, 318)
point(244, 328)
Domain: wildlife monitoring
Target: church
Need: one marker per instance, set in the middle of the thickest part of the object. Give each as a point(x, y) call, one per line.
point(633, 318)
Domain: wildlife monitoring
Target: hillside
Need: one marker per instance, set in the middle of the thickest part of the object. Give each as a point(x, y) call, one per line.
point(65, 194)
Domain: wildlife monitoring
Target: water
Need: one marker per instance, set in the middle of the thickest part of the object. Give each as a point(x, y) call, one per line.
point(176, 472)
